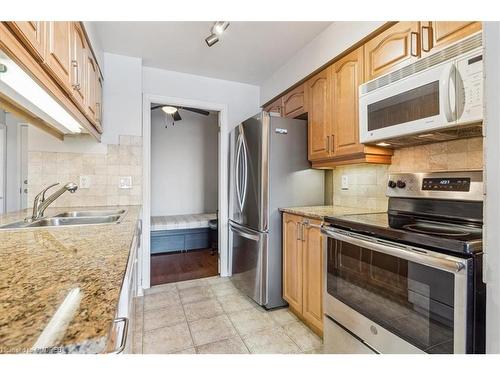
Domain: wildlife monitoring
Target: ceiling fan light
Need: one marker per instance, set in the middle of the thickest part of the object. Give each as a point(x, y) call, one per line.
point(211, 40)
point(168, 109)
point(219, 27)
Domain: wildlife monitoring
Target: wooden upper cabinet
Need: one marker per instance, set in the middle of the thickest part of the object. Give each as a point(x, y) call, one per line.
point(294, 103)
point(319, 126)
point(274, 107)
point(91, 72)
point(312, 259)
point(292, 261)
point(436, 35)
point(392, 49)
point(78, 52)
point(347, 75)
point(58, 51)
point(32, 34)
point(98, 99)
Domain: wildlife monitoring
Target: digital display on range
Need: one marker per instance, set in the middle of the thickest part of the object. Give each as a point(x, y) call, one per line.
point(446, 184)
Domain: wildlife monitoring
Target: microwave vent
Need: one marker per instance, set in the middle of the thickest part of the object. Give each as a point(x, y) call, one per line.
point(458, 132)
point(465, 45)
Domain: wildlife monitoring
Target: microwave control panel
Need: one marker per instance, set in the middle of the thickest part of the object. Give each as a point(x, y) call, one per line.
point(470, 69)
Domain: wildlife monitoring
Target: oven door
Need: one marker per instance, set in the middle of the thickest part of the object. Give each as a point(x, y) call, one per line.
point(394, 298)
point(420, 103)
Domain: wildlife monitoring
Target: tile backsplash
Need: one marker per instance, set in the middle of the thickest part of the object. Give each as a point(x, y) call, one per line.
point(366, 186)
point(461, 154)
point(367, 182)
point(104, 171)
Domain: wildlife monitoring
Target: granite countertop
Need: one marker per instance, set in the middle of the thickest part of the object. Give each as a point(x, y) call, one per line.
point(320, 212)
point(42, 267)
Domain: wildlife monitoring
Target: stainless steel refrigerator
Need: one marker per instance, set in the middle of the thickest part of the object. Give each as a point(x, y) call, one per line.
point(268, 170)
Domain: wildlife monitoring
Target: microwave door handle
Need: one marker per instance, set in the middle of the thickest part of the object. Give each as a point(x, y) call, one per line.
point(448, 89)
point(460, 94)
point(443, 263)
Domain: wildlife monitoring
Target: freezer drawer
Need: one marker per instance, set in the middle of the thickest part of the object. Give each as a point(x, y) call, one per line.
point(248, 261)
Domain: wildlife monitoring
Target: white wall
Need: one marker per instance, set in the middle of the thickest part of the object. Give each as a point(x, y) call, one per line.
point(492, 174)
point(330, 43)
point(122, 97)
point(183, 164)
point(242, 100)
point(95, 41)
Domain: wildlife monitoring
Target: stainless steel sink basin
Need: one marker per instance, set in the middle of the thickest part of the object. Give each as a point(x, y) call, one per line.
point(71, 218)
point(59, 221)
point(91, 213)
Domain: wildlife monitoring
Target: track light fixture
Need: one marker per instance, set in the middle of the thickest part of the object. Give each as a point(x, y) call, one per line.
point(217, 29)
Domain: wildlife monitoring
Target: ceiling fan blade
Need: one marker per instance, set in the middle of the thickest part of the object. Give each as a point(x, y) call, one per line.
point(196, 110)
point(177, 116)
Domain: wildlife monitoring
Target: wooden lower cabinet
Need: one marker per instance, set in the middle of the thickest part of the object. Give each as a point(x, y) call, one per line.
point(303, 269)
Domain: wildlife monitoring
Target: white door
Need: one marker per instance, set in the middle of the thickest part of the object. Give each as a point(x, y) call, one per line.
point(3, 165)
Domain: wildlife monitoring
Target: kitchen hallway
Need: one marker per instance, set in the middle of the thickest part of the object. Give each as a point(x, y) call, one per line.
point(210, 316)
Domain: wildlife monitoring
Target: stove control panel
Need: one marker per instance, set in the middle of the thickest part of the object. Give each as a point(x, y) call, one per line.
point(466, 186)
point(446, 184)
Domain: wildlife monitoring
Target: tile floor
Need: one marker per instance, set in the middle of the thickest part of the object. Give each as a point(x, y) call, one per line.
point(210, 316)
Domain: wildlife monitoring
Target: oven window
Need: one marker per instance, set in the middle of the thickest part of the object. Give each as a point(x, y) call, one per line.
point(415, 104)
point(411, 300)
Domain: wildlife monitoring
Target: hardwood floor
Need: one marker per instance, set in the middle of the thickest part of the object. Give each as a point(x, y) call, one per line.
point(194, 264)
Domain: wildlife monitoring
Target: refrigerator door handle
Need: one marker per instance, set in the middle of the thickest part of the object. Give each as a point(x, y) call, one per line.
point(238, 172)
point(245, 171)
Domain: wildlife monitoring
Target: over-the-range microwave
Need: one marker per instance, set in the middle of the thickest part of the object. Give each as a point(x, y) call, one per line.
point(437, 98)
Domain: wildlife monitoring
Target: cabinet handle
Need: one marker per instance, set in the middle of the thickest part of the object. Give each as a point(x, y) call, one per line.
point(304, 223)
point(123, 336)
point(98, 111)
point(298, 231)
point(328, 144)
point(413, 35)
point(427, 36)
point(76, 85)
point(332, 147)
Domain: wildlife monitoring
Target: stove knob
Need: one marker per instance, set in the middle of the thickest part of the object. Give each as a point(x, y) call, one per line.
point(400, 184)
point(391, 184)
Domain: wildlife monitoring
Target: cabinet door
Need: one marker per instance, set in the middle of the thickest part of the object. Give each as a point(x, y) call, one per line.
point(58, 51)
point(91, 73)
point(274, 107)
point(392, 49)
point(32, 34)
point(294, 103)
point(78, 50)
point(312, 255)
point(439, 34)
point(292, 262)
point(347, 75)
point(98, 99)
point(319, 126)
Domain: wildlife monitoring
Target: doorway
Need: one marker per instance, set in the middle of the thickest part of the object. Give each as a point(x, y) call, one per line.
point(184, 180)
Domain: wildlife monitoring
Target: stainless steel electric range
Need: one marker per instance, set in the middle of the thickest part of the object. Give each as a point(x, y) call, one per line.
point(409, 280)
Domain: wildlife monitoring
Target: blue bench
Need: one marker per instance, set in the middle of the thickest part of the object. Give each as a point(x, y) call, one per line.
point(167, 241)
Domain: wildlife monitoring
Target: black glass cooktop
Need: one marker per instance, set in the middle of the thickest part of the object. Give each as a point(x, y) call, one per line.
point(437, 235)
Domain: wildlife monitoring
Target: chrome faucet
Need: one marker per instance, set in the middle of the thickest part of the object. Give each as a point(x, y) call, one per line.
point(40, 204)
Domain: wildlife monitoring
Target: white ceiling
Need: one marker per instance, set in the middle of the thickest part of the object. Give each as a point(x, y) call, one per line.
point(247, 52)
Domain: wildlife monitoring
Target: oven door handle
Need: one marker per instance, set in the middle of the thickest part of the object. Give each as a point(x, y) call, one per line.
point(421, 256)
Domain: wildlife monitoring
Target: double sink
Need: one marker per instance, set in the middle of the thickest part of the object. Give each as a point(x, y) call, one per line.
point(71, 218)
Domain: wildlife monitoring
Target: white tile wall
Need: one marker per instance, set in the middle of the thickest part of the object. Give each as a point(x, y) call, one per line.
point(124, 159)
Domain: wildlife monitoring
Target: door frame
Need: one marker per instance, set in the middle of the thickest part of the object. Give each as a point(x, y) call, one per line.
point(3, 167)
point(223, 160)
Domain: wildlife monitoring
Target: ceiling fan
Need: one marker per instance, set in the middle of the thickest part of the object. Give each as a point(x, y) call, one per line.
point(174, 111)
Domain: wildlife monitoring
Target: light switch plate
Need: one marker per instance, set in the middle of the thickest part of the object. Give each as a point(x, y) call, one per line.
point(345, 182)
point(125, 182)
point(84, 182)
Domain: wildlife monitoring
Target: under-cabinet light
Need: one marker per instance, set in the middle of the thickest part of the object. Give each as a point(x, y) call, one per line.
point(20, 87)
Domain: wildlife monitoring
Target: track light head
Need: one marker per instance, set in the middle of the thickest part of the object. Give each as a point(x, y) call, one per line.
point(211, 40)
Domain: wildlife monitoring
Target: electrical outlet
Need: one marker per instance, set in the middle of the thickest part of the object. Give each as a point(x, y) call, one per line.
point(125, 182)
point(345, 182)
point(84, 182)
